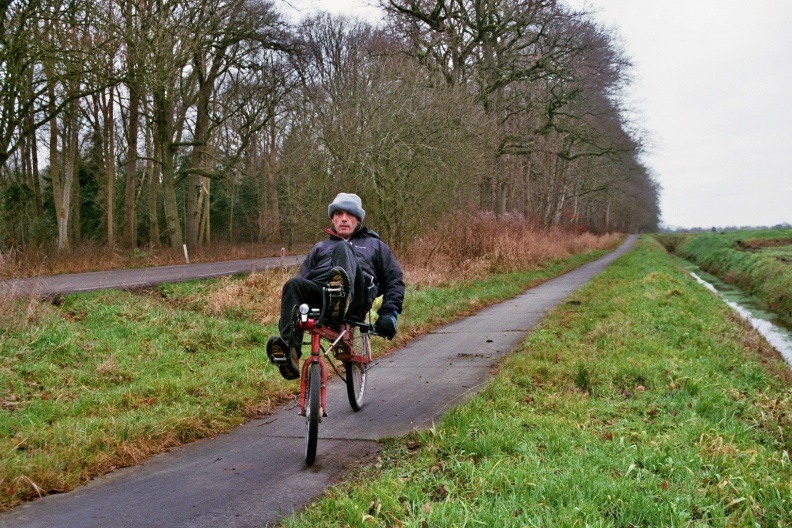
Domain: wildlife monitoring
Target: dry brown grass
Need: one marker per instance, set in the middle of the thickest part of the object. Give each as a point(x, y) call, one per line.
point(469, 246)
point(257, 293)
point(16, 313)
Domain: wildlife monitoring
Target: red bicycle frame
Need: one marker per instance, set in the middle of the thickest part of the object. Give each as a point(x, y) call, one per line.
point(343, 336)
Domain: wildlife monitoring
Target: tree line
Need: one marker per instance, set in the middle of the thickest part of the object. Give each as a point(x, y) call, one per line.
point(148, 122)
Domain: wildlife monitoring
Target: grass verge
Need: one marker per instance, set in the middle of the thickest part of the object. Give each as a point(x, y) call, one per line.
point(95, 381)
point(644, 401)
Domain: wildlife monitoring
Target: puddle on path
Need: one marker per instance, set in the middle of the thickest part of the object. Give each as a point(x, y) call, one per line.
point(766, 323)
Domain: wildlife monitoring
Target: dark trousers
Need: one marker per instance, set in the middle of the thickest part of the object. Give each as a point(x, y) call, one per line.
point(297, 290)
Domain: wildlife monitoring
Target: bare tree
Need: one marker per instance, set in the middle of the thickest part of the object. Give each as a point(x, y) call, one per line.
point(250, 140)
point(399, 135)
point(63, 75)
point(190, 52)
point(127, 22)
point(548, 75)
point(514, 104)
point(103, 78)
point(490, 46)
point(236, 32)
point(22, 87)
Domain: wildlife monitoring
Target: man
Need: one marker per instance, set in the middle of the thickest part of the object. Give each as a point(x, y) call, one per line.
point(353, 258)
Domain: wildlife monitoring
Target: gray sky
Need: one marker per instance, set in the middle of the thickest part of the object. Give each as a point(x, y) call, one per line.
point(713, 88)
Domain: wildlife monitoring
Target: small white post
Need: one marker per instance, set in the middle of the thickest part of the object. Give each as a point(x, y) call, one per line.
point(283, 254)
point(186, 256)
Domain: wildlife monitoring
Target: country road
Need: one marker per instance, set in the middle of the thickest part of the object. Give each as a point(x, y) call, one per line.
point(137, 278)
point(255, 474)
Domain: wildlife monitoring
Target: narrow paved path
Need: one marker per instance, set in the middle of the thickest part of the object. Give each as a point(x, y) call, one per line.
point(136, 278)
point(255, 474)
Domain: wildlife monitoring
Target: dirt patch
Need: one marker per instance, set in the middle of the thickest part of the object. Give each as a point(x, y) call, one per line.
point(761, 243)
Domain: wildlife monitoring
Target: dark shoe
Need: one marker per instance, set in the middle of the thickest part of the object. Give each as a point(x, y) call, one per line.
point(337, 295)
point(283, 357)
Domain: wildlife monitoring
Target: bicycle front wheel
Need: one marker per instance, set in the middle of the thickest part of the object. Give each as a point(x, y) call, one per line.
point(356, 374)
point(313, 411)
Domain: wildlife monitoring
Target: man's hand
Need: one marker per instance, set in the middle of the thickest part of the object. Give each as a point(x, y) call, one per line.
point(386, 326)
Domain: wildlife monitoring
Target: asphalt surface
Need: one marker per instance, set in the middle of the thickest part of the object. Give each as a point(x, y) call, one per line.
point(255, 474)
point(128, 279)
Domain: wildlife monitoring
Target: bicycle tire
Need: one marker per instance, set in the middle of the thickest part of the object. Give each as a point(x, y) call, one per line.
point(313, 411)
point(356, 374)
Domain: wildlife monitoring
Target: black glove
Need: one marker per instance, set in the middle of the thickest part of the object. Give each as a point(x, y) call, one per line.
point(385, 326)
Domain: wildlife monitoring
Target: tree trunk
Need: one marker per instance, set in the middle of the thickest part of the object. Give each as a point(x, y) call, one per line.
point(526, 191)
point(130, 213)
point(172, 225)
point(272, 183)
point(62, 188)
point(501, 194)
point(57, 193)
point(32, 147)
point(204, 202)
point(109, 159)
point(153, 198)
point(201, 141)
point(204, 232)
point(163, 118)
point(192, 220)
point(75, 221)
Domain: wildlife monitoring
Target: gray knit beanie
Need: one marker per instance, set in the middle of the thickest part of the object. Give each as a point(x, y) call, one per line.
point(351, 203)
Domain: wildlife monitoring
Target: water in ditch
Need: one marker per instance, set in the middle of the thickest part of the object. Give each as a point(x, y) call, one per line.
point(751, 309)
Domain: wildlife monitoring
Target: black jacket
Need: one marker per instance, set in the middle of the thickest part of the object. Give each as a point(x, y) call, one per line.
point(381, 271)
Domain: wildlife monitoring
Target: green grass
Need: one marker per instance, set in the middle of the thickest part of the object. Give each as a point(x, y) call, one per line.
point(782, 253)
point(645, 402)
point(759, 262)
point(102, 380)
point(105, 379)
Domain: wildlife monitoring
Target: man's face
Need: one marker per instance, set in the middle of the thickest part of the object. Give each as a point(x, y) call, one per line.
point(344, 223)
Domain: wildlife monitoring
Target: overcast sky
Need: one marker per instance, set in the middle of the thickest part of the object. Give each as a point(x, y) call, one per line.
point(713, 86)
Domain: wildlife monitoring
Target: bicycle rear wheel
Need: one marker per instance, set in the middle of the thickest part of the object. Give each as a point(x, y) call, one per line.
point(356, 374)
point(313, 411)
